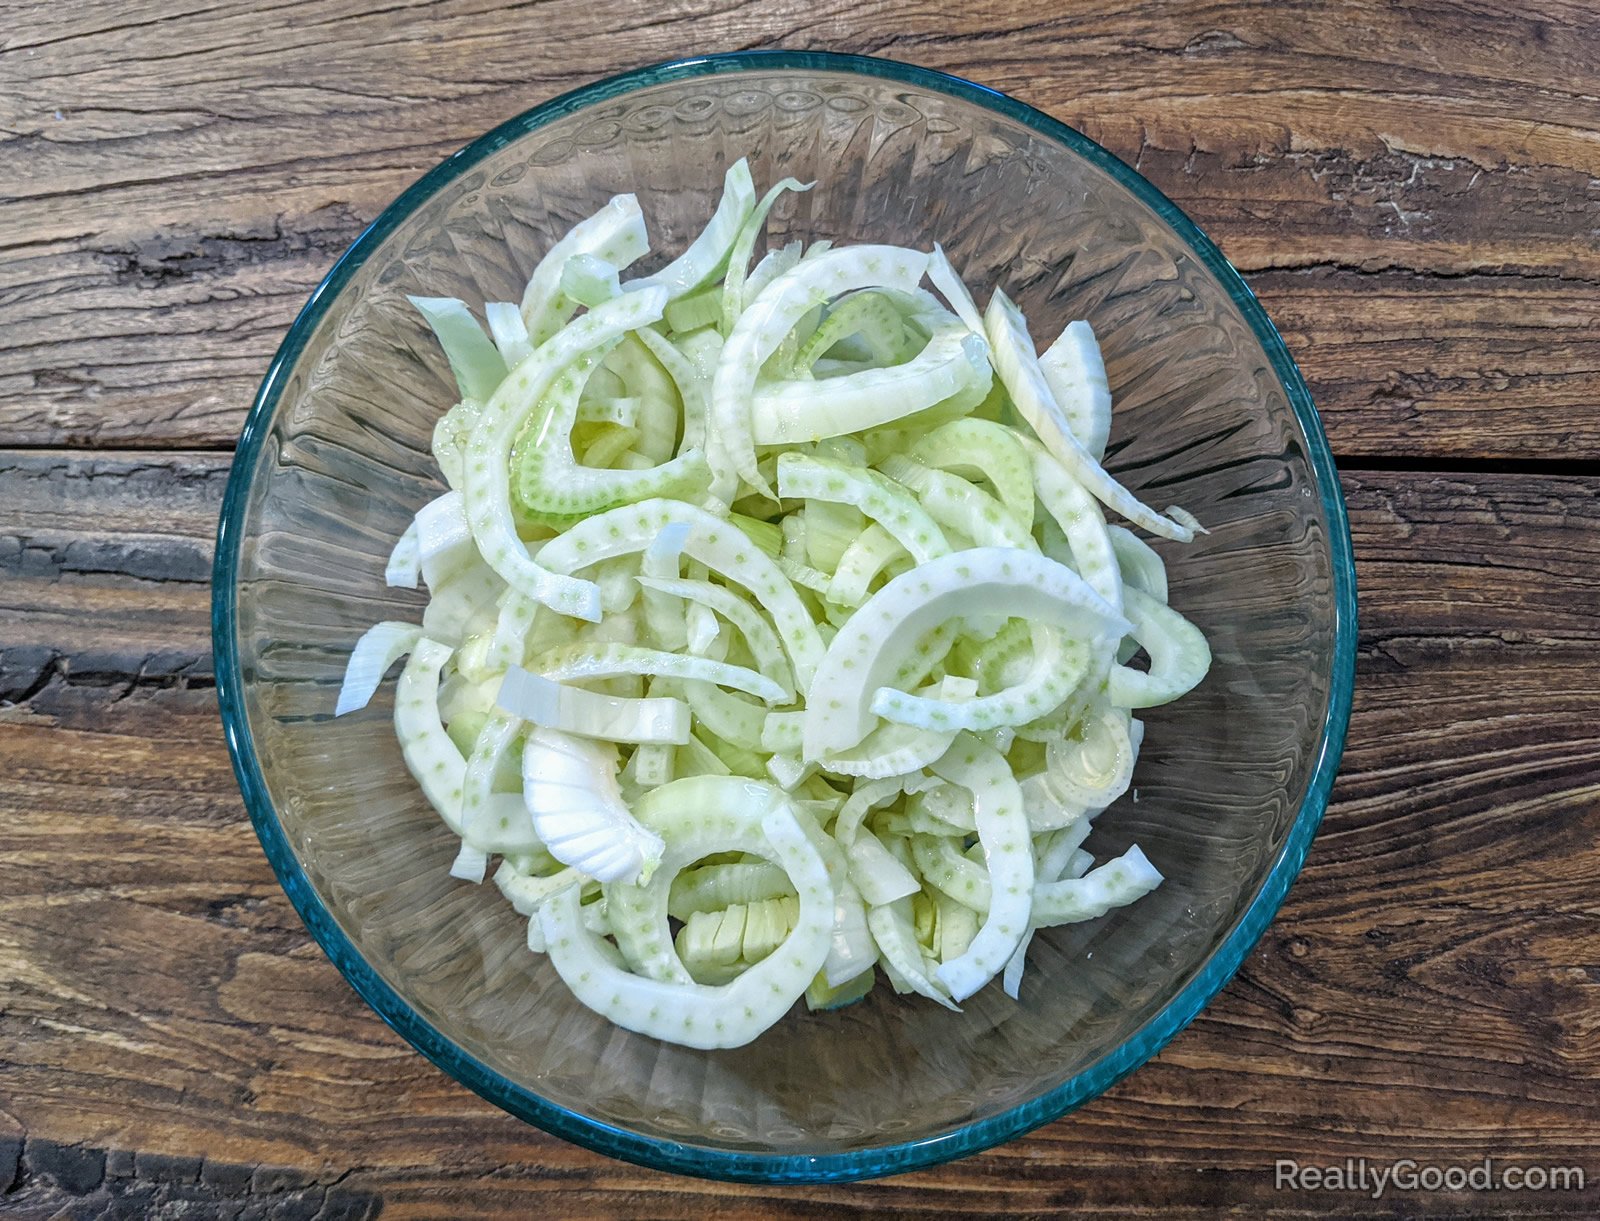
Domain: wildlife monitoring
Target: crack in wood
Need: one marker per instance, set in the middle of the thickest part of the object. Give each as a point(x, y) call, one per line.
point(46, 1178)
point(164, 257)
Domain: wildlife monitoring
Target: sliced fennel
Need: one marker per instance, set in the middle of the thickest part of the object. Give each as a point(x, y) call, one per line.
point(477, 364)
point(1025, 382)
point(778, 602)
point(589, 714)
point(862, 657)
point(763, 326)
point(701, 1015)
point(404, 568)
point(488, 453)
point(615, 234)
point(799, 410)
point(569, 785)
point(550, 480)
point(1076, 374)
point(710, 250)
point(380, 647)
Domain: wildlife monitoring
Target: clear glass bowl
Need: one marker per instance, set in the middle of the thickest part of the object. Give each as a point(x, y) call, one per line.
point(1210, 414)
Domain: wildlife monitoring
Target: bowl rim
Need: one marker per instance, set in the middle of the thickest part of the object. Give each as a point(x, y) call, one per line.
point(703, 1161)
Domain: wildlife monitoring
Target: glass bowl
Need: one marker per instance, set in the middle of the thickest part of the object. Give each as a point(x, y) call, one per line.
point(1210, 414)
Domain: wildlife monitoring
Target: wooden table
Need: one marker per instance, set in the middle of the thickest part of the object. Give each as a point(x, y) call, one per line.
point(1414, 192)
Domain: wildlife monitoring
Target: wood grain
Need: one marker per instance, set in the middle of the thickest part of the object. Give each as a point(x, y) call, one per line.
point(1414, 188)
point(171, 1036)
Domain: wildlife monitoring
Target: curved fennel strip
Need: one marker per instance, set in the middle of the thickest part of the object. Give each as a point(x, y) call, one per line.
point(693, 389)
point(794, 411)
point(699, 1015)
point(1093, 770)
point(1061, 859)
point(738, 290)
point(589, 280)
point(896, 936)
point(492, 821)
point(864, 560)
point(701, 627)
point(462, 604)
point(954, 290)
point(1179, 655)
point(890, 506)
point(552, 705)
point(380, 646)
point(733, 718)
point(1003, 658)
point(763, 326)
point(959, 506)
point(1057, 667)
point(664, 616)
point(1018, 367)
point(759, 635)
point(488, 494)
point(550, 479)
point(527, 892)
point(450, 437)
point(444, 540)
point(583, 662)
point(514, 623)
point(830, 528)
point(1003, 834)
point(639, 912)
point(712, 541)
point(660, 409)
point(509, 332)
point(404, 568)
point(476, 363)
point(1075, 371)
point(710, 250)
point(772, 265)
point(1079, 517)
point(615, 234)
point(432, 758)
point(872, 642)
point(1046, 811)
point(943, 864)
point(569, 785)
point(891, 750)
point(864, 798)
point(851, 948)
point(982, 449)
point(1140, 564)
point(803, 575)
point(866, 319)
point(877, 875)
point(1118, 882)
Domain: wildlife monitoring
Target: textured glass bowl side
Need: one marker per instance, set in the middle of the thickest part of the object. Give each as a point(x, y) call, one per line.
point(1211, 414)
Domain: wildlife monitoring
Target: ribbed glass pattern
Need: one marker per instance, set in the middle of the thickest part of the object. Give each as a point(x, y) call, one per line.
point(1210, 414)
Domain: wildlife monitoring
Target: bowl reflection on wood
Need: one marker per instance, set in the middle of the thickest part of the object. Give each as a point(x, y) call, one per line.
point(1210, 415)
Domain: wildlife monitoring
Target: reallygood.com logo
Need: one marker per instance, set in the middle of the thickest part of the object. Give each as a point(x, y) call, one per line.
point(1407, 1174)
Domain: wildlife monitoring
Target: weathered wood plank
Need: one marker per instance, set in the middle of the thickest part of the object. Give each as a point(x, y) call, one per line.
point(105, 563)
point(1429, 174)
point(1430, 989)
point(1417, 366)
